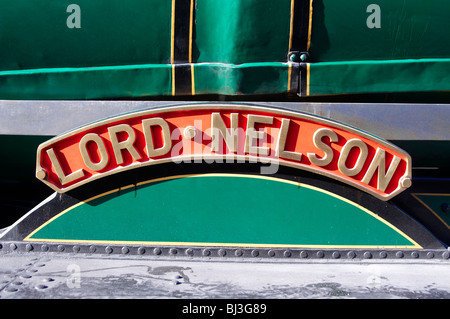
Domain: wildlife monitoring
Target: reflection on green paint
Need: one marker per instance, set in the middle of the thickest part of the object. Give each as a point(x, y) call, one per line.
point(222, 209)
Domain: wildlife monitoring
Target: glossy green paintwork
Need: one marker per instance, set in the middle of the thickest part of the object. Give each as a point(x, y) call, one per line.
point(123, 50)
point(223, 209)
point(423, 75)
point(242, 31)
point(409, 29)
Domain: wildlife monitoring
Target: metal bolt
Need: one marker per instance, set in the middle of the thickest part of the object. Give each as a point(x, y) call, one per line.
point(76, 248)
point(157, 251)
point(189, 252)
point(125, 250)
point(61, 248)
point(190, 132)
point(320, 254)
point(222, 252)
point(41, 174)
point(271, 253)
point(238, 253)
point(303, 254)
point(399, 254)
point(206, 252)
point(44, 248)
point(92, 249)
point(141, 250)
point(405, 182)
point(173, 251)
point(29, 247)
point(293, 57)
point(351, 255)
point(255, 253)
point(367, 255)
point(108, 250)
point(383, 254)
point(445, 255)
point(415, 254)
point(430, 254)
point(287, 253)
point(303, 57)
point(336, 255)
point(13, 246)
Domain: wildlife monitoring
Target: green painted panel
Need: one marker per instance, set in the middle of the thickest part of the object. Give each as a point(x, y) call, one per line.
point(34, 34)
point(249, 78)
point(434, 203)
point(379, 76)
point(87, 83)
point(408, 29)
point(242, 31)
point(228, 209)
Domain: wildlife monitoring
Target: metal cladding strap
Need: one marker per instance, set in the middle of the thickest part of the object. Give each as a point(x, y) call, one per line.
point(181, 46)
point(300, 41)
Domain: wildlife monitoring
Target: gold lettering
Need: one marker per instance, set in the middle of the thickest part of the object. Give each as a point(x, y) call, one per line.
point(317, 139)
point(104, 157)
point(230, 135)
point(252, 134)
point(378, 162)
point(281, 143)
point(128, 144)
point(359, 162)
point(151, 151)
point(63, 178)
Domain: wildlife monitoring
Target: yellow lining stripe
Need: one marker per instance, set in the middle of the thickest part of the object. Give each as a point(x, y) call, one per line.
point(414, 246)
point(310, 24)
point(429, 208)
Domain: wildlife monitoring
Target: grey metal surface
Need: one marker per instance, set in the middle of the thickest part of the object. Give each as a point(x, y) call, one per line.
point(44, 275)
point(388, 121)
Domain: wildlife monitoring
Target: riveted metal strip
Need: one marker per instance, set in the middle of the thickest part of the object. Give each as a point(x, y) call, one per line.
point(229, 253)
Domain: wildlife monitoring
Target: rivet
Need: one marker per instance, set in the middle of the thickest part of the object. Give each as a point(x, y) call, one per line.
point(351, 255)
point(303, 254)
point(190, 132)
point(415, 254)
point(405, 182)
point(92, 249)
point(206, 252)
point(222, 252)
point(41, 174)
point(287, 253)
point(189, 252)
point(271, 253)
point(293, 57)
point(108, 250)
point(383, 254)
point(49, 279)
point(18, 283)
point(336, 255)
point(173, 251)
point(29, 247)
point(238, 252)
point(61, 248)
point(320, 254)
point(44, 248)
point(125, 250)
point(141, 250)
point(430, 255)
point(13, 246)
point(255, 253)
point(367, 255)
point(76, 248)
point(26, 276)
point(303, 57)
point(157, 251)
point(445, 255)
point(399, 254)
